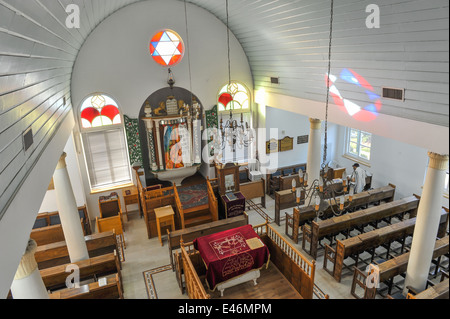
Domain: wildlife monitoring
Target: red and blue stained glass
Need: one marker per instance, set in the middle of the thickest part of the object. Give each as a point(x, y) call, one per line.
point(167, 48)
point(365, 113)
point(98, 111)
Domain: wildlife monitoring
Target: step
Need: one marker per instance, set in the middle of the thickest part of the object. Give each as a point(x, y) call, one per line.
point(196, 208)
point(199, 220)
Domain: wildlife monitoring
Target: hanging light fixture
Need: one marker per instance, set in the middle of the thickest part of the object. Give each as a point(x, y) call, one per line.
point(323, 193)
point(233, 132)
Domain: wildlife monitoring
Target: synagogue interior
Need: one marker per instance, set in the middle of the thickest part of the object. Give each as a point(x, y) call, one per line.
point(224, 149)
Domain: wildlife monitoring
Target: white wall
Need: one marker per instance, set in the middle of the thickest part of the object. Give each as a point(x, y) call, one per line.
point(49, 201)
point(115, 60)
point(294, 125)
point(18, 221)
point(392, 161)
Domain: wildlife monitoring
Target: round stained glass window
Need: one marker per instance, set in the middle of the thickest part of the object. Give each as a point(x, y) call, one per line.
point(167, 48)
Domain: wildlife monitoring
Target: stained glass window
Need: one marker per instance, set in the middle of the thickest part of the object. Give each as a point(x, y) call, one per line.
point(234, 96)
point(104, 143)
point(99, 110)
point(167, 48)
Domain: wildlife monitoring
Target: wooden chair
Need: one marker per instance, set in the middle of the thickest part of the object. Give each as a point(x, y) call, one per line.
point(113, 223)
point(110, 208)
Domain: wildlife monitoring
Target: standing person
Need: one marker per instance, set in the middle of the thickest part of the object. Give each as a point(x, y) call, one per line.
point(358, 178)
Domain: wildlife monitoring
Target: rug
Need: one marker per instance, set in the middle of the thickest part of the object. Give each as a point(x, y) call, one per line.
point(193, 196)
point(150, 281)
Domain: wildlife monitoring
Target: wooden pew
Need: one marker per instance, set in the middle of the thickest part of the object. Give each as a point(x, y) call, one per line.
point(438, 291)
point(47, 235)
point(285, 199)
point(112, 290)
point(113, 224)
point(55, 277)
point(327, 228)
point(189, 234)
point(253, 190)
point(362, 200)
point(274, 181)
point(51, 219)
point(391, 268)
point(369, 241)
point(57, 254)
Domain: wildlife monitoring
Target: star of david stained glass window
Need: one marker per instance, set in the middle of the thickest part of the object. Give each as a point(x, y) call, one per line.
point(167, 48)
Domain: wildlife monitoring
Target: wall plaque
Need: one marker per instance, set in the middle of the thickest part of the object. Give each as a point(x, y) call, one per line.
point(286, 144)
point(272, 146)
point(303, 139)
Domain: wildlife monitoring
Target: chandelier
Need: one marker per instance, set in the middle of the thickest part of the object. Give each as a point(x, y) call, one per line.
point(323, 193)
point(233, 132)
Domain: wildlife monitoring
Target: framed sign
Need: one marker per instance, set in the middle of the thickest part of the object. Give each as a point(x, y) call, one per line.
point(303, 139)
point(286, 144)
point(272, 146)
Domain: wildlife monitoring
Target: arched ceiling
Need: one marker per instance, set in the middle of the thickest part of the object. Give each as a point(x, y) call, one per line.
point(286, 39)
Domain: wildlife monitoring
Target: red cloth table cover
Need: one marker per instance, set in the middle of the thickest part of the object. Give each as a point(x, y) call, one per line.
point(227, 254)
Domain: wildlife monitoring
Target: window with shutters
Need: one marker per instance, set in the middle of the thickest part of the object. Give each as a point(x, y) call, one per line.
point(104, 143)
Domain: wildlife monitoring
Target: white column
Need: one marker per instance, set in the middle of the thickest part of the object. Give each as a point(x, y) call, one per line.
point(68, 213)
point(314, 147)
point(427, 223)
point(28, 283)
point(159, 150)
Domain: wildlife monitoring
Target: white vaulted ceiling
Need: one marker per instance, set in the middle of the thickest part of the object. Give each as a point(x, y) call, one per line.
point(282, 38)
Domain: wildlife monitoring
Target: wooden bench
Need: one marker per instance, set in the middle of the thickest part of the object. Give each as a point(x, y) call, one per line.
point(57, 254)
point(113, 224)
point(393, 267)
point(55, 277)
point(275, 183)
point(369, 241)
point(362, 200)
point(344, 224)
point(51, 219)
point(112, 290)
point(438, 291)
point(189, 234)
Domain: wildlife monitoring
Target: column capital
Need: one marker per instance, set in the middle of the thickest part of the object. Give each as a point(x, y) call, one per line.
point(438, 161)
point(28, 263)
point(62, 161)
point(315, 123)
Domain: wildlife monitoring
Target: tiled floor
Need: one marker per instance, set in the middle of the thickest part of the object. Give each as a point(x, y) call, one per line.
point(143, 254)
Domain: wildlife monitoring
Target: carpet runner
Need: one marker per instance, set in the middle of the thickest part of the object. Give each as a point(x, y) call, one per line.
point(193, 196)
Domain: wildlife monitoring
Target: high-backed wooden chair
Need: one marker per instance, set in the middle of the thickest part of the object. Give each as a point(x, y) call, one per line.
point(112, 223)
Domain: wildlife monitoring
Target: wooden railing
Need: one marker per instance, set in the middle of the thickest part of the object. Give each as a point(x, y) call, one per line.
point(194, 286)
point(212, 200)
point(306, 271)
point(307, 266)
point(179, 206)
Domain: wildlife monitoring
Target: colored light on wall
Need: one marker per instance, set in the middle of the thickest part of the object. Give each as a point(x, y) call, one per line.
point(366, 113)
